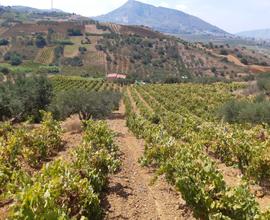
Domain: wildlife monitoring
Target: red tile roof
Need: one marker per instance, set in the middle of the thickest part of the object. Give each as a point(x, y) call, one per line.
point(116, 76)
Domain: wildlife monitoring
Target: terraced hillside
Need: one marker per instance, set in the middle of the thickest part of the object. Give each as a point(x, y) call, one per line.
point(87, 47)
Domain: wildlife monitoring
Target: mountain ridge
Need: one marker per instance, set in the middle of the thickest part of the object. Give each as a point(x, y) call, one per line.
point(260, 34)
point(26, 9)
point(166, 20)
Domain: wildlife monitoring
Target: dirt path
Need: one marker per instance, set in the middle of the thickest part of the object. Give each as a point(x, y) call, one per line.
point(130, 195)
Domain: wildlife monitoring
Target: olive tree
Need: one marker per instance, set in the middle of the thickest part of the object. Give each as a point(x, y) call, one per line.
point(87, 104)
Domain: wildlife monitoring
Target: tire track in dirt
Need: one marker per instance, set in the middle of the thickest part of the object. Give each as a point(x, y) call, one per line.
point(129, 194)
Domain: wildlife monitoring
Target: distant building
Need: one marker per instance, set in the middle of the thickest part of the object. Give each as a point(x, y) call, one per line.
point(116, 76)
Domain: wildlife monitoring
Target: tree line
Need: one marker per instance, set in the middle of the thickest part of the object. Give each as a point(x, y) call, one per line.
point(24, 96)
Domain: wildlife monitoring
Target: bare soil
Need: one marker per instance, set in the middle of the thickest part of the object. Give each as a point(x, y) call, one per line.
point(233, 178)
point(130, 194)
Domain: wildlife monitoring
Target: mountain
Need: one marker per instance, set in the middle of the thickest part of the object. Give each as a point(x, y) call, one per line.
point(25, 9)
point(29, 14)
point(137, 51)
point(161, 19)
point(263, 34)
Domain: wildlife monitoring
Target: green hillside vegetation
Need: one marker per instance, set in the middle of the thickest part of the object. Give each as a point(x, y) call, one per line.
point(98, 49)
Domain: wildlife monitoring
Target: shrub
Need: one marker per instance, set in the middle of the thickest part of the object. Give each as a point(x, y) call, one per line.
point(100, 47)
point(74, 32)
point(225, 60)
point(82, 50)
point(4, 70)
point(264, 63)
point(172, 80)
point(213, 69)
point(86, 41)
point(230, 111)
point(64, 42)
point(2, 77)
point(49, 69)
point(244, 61)
point(9, 55)
point(102, 27)
point(244, 111)
point(224, 52)
point(40, 41)
point(4, 42)
point(85, 103)
point(108, 58)
point(263, 82)
point(15, 59)
point(58, 52)
point(74, 61)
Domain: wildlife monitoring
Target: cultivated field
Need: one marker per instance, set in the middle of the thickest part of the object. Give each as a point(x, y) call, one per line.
point(186, 135)
point(211, 163)
point(67, 83)
point(45, 55)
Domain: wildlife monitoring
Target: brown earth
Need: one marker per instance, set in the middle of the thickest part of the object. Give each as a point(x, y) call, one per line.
point(31, 28)
point(251, 68)
point(259, 69)
point(130, 194)
point(233, 178)
point(92, 28)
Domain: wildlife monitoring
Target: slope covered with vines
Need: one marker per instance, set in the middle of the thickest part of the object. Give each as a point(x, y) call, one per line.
point(180, 137)
point(61, 189)
point(68, 83)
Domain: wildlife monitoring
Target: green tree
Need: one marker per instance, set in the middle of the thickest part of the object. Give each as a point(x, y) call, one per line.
point(4, 42)
point(74, 32)
point(214, 69)
point(85, 103)
point(15, 59)
point(40, 41)
point(82, 50)
point(244, 61)
point(24, 96)
point(223, 52)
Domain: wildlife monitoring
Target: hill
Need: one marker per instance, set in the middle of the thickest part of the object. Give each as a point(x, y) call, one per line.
point(24, 9)
point(74, 45)
point(162, 19)
point(27, 14)
point(263, 34)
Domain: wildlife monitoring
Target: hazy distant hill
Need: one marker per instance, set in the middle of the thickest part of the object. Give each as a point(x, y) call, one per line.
point(263, 34)
point(25, 9)
point(161, 19)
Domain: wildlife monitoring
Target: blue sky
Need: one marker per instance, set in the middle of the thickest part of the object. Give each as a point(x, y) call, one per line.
point(230, 15)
